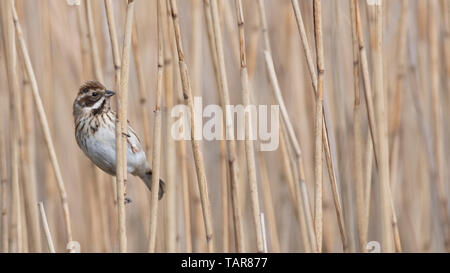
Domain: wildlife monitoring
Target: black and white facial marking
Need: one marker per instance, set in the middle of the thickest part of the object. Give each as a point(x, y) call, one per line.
point(92, 98)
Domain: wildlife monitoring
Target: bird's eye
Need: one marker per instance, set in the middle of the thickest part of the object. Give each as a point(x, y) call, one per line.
point(94, 94)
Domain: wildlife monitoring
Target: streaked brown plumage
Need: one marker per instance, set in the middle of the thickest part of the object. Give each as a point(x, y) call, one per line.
point(95, 133)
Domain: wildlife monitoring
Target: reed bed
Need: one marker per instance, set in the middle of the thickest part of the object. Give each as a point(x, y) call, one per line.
point(362, 88)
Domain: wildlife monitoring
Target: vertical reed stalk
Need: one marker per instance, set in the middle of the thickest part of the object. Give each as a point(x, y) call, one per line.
point(298, 154)
point(95, 62)
point(371, 147)
point(198, 156)
point(437, 123)
point(231, 145)
point(263, 230)
point(4, 194)
point(172, 187)
point(156, 155)
point(397, 105)
point(249, 149)
point(48, 235)
point(93, 41)
point(291, 175)
point(28, 179)
point(85, 68)
point(141, 87)
point(293, 171)
point(318, 169)
point(268, 205)
point(44, 125)
point(381, 118)
point(116, 60)
point(122, 127)
point(327, 135)
point(169, 70)
point(13, 84)
point(445, 6)
point(113, 38)
point(223, 147)
point(357, 158)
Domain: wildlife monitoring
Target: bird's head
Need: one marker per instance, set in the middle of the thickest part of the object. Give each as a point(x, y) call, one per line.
point(93, 97)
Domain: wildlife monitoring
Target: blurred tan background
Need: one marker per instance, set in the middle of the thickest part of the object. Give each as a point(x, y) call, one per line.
point(61, 54)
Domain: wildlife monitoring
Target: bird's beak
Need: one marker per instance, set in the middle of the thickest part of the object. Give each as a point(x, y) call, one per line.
point(109, 93)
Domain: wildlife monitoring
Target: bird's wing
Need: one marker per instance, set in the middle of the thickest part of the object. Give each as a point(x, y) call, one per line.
point(133, 142)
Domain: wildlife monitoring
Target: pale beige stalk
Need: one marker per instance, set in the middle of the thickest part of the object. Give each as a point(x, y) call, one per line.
point(438, 123)
point(268, 204)
point(4, 194)
point(397, 105)
point(113, 38)
point(371, 146)
point(381, 119)
point(297, 152)
point(141, 87)
point(318, 169)
point(48, 235)
point(231, 145)
point(169, 71)
point(357, 152)
point(223, 146)
point(198, 156)
point(44, 125)
point(122, 127)
point(117, 71)
point(326, 134)
point(156, 155)
point(28, 182)
point(14, 243)
point(298, 190)
point(93, 41)
point(249, 148)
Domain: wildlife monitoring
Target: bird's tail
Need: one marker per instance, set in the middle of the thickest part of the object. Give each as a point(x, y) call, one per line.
point(147, 178)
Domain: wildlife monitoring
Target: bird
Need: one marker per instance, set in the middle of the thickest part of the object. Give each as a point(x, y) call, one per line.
point(95, 134)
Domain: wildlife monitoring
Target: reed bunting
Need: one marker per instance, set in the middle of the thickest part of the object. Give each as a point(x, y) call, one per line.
point(95, 134)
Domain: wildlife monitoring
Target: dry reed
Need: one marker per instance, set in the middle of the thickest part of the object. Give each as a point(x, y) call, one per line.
point(326, 134)
point(122, 127)
point(44, 125)
point(156, 155)
point(4, 188)
point(318, 189)
point(48, 235)
point(231, 145)
point(249, 149)
point(437, 124)
point(381, 118)
point(357, 152)
point(303, 209)
point(395, 50)
point(198, 156)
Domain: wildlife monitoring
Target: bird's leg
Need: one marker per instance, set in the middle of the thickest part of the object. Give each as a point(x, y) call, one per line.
point(126, 199)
